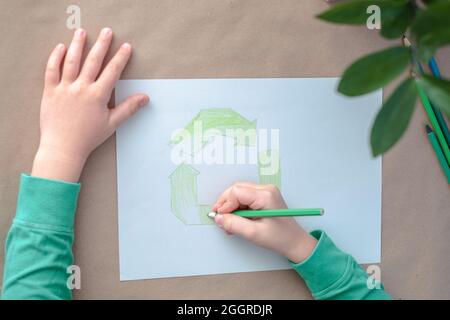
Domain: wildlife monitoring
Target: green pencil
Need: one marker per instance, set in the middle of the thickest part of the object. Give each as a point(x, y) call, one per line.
point(440, 118)
point(433, 114)
point(434, 142)
point(435, 124)
point(269, 213)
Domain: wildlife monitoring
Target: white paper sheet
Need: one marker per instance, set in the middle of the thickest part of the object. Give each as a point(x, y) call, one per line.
point(325, 161)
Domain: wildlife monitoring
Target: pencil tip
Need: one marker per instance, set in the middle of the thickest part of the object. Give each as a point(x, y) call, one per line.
point(406, 41)
point(212, 214)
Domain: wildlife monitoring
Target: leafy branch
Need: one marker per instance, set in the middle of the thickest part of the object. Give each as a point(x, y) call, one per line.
point(427, 25)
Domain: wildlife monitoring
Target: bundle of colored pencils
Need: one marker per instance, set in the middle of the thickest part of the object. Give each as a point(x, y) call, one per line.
point(438, 133)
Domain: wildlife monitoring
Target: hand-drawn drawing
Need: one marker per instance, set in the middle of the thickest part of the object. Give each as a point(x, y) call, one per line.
point(183, 180)
point(183, 185)
point(155, 235)
point(224, 121)
point(273, 178)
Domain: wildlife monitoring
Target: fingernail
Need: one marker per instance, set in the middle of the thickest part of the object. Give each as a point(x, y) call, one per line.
point(219, 220)
point(126, 45)
point(60, 47)
point(81, 32)
point(144, 101)
point(106, 31)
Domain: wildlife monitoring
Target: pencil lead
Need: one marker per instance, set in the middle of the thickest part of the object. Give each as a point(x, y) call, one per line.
point(406, 42)
point(212, 214)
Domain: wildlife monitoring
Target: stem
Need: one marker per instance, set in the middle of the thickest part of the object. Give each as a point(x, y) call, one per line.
point(419, 4)
point(416, 68)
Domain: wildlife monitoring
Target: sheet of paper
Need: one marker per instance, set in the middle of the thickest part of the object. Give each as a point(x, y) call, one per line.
point(199, 136)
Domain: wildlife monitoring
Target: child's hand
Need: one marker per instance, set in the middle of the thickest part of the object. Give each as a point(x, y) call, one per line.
point(282, 235)
point(74, 117)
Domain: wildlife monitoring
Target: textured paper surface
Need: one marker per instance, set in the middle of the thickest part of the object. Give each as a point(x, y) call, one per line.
point(322, 139)
point(215, 39)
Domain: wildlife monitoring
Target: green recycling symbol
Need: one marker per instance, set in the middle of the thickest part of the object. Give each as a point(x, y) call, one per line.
point(183, 180)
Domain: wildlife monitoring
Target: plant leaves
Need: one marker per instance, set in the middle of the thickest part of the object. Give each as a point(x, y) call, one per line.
point(393, 118)
point(355, 12)
point(425, 53)
point(373, 71)
point(437, 90)
point(350, 12)
point(431, 26)
point(430, 2)
point(395, 20)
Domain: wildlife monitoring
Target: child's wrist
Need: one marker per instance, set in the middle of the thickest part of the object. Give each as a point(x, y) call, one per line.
point(51, 163)
point(301, 247)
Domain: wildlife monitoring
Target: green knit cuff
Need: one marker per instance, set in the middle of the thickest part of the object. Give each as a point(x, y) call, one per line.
point(326, 265)
point(47, 204)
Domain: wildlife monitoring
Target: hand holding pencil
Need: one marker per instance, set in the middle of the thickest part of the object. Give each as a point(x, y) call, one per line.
point(281, 234)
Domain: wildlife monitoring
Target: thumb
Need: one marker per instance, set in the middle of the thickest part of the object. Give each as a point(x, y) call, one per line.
point(234, 224)
point(126, 109)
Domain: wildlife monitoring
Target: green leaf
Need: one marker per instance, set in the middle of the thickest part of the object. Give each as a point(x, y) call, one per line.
point(393, 118)
point(437, 90)
point(431, 26)
point(355, 12)
point(425, 53)
point(373, 71)
point(432, 2)
point(395, 20)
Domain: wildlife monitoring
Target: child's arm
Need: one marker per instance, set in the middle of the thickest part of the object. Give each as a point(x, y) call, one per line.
point(328, 272)
point(74, 120)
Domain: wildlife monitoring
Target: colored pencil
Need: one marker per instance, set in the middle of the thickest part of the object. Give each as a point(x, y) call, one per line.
point(269, 213)
point(437, 149)
point(440, 118)
point(434, 124)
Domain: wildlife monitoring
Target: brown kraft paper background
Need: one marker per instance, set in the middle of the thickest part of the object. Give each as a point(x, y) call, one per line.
point(214, 39)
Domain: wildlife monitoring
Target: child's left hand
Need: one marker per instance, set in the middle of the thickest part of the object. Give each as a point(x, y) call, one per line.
point(75, 118)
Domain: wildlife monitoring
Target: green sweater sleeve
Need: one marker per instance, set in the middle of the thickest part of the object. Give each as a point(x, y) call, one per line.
point(39, 243)
point(332, 274)
point(39, 250)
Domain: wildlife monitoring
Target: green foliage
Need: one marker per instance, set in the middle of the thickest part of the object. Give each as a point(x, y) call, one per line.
point(394, 117)
point(431, 27)
point(437, 90)
point(396, 15)
point(428, 29)
point(374, 71)
point(355, 12)
point(425, 53)
point(395, 20)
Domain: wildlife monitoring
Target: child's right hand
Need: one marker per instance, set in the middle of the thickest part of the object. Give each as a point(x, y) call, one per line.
point(282, 235)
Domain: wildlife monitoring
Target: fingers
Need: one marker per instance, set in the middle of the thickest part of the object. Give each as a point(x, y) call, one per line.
point(74, 54)
point(226, 194)
point(126, 109)
point(222, 199)
point(113, 70)
point(94, 60)
point(96, 56)
point(237, 196)
point(53, 70)
point(237, 225)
